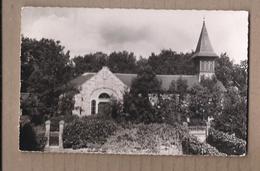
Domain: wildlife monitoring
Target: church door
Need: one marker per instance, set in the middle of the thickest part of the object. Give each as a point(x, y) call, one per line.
point(104, 108)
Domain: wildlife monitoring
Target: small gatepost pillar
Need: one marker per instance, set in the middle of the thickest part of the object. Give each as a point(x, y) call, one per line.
point(61, 127)
point(47, 133)
point(207, 128)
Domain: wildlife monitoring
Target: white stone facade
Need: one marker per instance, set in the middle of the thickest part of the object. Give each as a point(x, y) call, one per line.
point(103, 83)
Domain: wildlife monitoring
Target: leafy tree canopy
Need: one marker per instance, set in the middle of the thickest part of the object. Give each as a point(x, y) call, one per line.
point(45, 66)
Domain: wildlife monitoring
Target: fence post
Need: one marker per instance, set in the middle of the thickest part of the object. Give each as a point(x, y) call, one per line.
point(47, 133)
point(207, 128)
point(61, 127)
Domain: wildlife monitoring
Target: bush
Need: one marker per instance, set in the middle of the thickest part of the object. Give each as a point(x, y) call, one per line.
point(87, 131)
point(29, 141)
point(226, 143)
point(190, 145)
point(41, 141)
point(146, 138)
point(138, 109)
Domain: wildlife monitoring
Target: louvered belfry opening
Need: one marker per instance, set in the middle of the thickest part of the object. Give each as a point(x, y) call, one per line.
point(204, 56)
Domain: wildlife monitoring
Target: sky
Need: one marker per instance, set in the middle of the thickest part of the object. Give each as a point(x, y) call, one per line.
point(142, 31)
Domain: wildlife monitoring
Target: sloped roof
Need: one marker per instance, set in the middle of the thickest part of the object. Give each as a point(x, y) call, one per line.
point(81, 79)
point(204, 47)
point(165, 80)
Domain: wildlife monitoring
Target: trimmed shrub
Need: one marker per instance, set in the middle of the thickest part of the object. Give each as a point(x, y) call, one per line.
point(226, 143)
point(87, 131)
point(190, 145)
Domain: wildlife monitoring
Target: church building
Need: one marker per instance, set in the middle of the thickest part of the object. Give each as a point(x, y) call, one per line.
point(97, 89)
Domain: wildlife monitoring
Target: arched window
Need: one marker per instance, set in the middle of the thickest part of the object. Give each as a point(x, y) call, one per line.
point(93, 107)
point(103, 96)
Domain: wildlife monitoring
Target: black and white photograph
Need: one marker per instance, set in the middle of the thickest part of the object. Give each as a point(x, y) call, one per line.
point(134, 81)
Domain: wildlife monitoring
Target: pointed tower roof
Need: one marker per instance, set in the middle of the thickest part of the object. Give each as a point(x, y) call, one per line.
point(204, 48)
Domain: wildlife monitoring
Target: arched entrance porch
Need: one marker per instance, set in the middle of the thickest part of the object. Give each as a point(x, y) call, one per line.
point(100, 100)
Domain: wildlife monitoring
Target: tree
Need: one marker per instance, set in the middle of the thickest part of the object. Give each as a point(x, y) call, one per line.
point(179, 93)
point(204, 102)
point(179, 87)
point(136, 102)
point(233, 119)
point(45, 66)
point(145, 82)
point(89, 63)
point(122, 62)
point(66, 100)
point(141, 64)
point(224, 69)
point(170, 62)
point(240, 74)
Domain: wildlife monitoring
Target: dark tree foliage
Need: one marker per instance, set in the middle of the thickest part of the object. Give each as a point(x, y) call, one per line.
point(179, 87)
point(89, 63)
point(224, 69)
point(233, 118)
point(66, 101)
point(170, 62)
point(45, 67)
point(179, 101)
point(145, 82)
point(139, 109)
point(231, 74)
point(240, 77)
point(205, 101)
point(235, 78)
point(136, 103)
point(141, 63)
point(122, 62)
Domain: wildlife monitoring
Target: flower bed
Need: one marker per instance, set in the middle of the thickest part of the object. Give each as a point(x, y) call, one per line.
point(226, 143)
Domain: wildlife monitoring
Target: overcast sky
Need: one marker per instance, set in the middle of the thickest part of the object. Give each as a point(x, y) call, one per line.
point(83, 30)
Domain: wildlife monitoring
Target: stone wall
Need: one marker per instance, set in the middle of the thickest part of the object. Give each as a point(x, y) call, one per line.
point(103, 82)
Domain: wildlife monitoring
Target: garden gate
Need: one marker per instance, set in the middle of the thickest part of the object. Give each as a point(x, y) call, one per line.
point(54, 138)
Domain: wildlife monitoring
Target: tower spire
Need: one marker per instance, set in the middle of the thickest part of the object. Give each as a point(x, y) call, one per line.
point(204, 56)
point(204, 47)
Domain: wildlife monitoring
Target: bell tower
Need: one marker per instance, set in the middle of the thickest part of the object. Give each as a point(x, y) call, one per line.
point(204, 56)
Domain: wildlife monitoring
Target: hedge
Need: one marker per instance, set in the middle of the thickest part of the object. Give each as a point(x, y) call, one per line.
point(226, 143)
point(190, 145)
point(87, 132)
